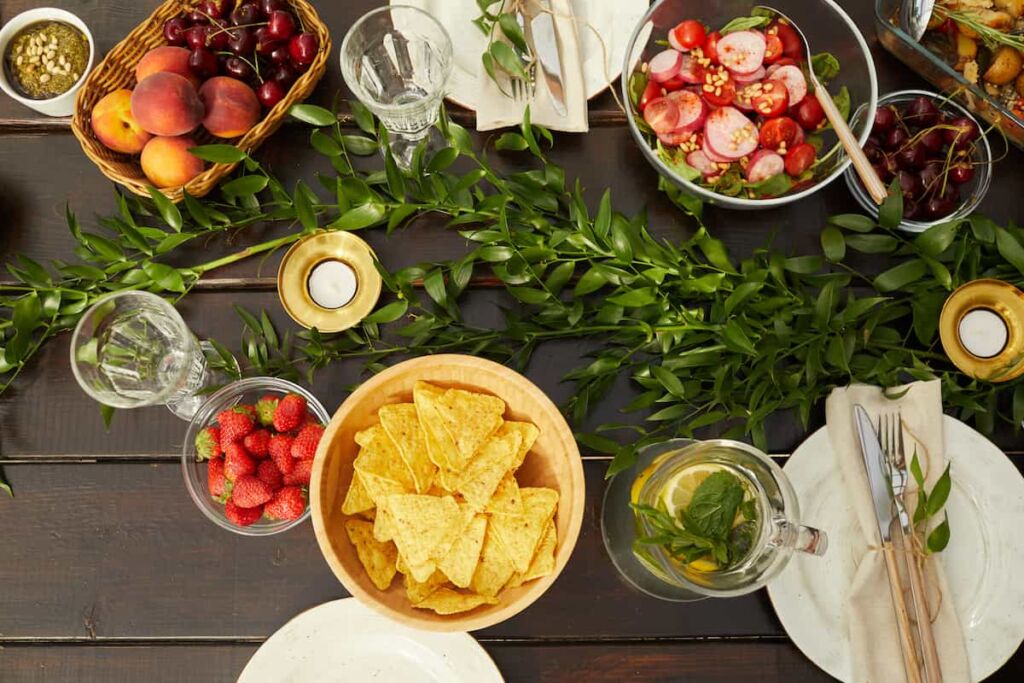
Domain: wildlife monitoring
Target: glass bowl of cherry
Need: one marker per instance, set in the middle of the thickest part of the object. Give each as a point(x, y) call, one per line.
point(260, 42)
point(934, 149)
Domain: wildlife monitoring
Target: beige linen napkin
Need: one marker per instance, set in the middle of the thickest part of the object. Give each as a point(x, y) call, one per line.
point(874, 641)
point(496, 110)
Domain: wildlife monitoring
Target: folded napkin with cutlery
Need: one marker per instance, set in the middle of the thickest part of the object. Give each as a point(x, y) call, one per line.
point(496, 109)
point(874, 641)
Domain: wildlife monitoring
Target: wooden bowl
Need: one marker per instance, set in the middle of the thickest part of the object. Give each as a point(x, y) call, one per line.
point(117, 70)
point(554, 461)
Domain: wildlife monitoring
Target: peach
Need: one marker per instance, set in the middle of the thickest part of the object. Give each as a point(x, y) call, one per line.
point(114, 125)
point(167, 162)
point(166, 104)
point(232, 107)
point(166, 58)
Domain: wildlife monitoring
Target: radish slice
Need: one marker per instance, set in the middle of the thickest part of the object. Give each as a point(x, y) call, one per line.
point(742, 51)
point(677, 137)
point(662, 115)
point(747, 79)
point(729, 133)
point(763, 165)
point(690, 71)
point(665, 65)
point(793, 78)
point(744, 99)
point(674, 41)
point(700, 161)
point(713, 155)
point(692, 110)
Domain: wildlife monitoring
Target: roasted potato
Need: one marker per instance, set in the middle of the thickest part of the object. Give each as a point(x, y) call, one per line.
point(1019, 84)
point(966, 48)
point(1015, 8)
point(1006, 64)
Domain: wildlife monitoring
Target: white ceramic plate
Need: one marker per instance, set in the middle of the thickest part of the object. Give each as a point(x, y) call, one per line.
point(614, 20)
point(982, 561)
point(343, 641)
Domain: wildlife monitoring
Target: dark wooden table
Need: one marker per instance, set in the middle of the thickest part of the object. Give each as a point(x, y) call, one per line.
point(108, 572)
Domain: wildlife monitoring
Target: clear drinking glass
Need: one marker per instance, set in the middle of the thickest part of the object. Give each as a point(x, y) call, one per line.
point(133, 349)
point(396, 60)
point(777, 532)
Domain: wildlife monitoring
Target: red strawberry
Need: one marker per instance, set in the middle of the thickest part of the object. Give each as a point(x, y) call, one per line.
point(288, 503)
point(304, 446)
point(250, 491)
point(248, 410)
point(290, 413)
point(258, 443)
point(269, 474)
point(215, 478)
point(300, 474)
point(237, 462)
point(281, 452)
point(235, 423)
point(208, 443)
point(265, 408)
point(240, 516)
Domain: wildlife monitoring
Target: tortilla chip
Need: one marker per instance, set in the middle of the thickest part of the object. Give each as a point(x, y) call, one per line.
point(494, 568)
point(490, 465)
point(418, 591)
point(378, 488)
point(527, 431)
point(421, 524)
point(380, 457)
point(470, 419)
point(419, 572)
point(519, 535)
point(401, 423)
point(377, 558)
point(438, 441)
point(357, 499)
point(507, 499)
point(460, 562)
point(543, 562)
point(447, 601)
point(383, 529)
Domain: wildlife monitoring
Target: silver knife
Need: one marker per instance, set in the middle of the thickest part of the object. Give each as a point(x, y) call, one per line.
point(882, 497)
point(546, 46)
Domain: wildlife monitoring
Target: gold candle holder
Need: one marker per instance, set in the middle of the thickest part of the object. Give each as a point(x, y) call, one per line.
point(340, 266)
point(982, 355)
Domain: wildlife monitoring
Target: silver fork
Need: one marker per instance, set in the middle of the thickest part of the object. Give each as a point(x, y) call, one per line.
point(523, 90)
point(890, 429)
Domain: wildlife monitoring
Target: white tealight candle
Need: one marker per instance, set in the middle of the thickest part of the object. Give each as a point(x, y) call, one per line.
point(332, 284)
point(983, 333)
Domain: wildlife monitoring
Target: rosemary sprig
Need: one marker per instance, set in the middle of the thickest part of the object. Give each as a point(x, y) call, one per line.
point(992, 37)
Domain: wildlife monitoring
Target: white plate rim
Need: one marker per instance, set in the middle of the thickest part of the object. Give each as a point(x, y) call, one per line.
point(459, 650)
point(596, 83)
point(983, 662)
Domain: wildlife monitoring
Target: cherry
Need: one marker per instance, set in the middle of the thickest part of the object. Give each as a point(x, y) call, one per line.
point(270, 93)
point(911, 157)
point(216, 9)
point(921, 112)
point(303, 48)
point(241, 41)
point(896, 138)
point(931, 175)
point(284, 75)
point(268, 7)
point(911, 208)
point(961, 173)
point(264, 44)
point(885, 119)
point(962, 133)
point(280, 55)
point(910, 184)
point(203, 63)
point(280, 25)
point(236, 67)
point(216, 37)
point(196, 37)
point(245, 14)
point(939, 207)
point(175, 29)
point(890, 166)
point(932, 140)
point(196, 16)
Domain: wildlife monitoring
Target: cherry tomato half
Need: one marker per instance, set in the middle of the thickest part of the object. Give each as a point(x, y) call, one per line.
point(673, 84)
point(718, 89)
point(711, 46)
point(662, 115)
point(690, 33)
point(808, 113)
point(781, 134)
point(773, 48)
point(651, 92)
point(799, 159)
point(772, 100)
point(792, 45)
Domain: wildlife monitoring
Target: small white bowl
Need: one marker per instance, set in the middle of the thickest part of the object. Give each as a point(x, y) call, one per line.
point(64, 104)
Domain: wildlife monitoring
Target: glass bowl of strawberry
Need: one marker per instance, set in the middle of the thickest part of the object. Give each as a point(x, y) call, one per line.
point(248, 455)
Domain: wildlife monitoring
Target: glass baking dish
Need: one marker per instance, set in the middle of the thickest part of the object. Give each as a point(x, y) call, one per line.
point(942, 75)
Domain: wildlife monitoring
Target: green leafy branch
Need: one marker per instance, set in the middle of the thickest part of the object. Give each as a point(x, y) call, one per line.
point(929, 505)
point(508, 51)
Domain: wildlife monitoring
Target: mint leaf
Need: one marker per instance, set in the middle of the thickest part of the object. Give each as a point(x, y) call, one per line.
point(713, 508)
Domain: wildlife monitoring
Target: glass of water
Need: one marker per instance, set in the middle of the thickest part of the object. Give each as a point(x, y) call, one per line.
point(133, 349)
point(397, 60)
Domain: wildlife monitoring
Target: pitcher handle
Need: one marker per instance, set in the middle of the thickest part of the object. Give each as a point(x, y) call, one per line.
point(802, 538)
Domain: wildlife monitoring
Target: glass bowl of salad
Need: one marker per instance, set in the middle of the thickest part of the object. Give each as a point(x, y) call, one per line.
point(719, 100)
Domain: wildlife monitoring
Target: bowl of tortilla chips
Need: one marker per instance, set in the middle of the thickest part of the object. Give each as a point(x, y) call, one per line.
point(447, 493)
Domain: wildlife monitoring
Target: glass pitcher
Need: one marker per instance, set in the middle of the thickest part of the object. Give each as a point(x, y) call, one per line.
point(773, 533)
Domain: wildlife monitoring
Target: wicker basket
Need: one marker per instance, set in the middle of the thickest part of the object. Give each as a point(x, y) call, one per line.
point(117, 70)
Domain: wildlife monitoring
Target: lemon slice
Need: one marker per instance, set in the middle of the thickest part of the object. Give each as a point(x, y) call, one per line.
point(638, 483)
point(678, 491)
point(703, 565)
